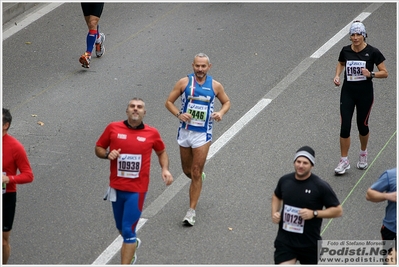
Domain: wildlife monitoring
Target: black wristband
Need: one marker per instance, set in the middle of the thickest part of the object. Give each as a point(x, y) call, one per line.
point(106, 155)
point(178, 114)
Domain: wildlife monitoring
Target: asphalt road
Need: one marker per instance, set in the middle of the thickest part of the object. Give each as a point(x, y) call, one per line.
point(282, 98)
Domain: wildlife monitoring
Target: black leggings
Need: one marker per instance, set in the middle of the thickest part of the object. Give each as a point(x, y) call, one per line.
point(362, 98)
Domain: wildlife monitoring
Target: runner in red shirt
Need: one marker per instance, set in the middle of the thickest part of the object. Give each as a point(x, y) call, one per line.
point(14, 160)
point(130, 144)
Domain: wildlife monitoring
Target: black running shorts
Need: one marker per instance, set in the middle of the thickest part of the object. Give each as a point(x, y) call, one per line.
point(305, 255)
point(92, 9)
point(9, 204)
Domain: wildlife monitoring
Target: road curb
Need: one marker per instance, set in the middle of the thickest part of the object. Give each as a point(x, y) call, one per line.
point(13, 10)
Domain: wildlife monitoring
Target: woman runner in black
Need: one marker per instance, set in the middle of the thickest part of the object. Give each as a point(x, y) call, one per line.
point(358, 60)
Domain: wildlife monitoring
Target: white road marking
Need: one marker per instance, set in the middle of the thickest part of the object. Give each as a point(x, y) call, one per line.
point(29, 19)
point(345, 31)
point(115, 246)
point(341, 34)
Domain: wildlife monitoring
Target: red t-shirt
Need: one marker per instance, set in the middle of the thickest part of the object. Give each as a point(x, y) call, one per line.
point(131, 171)
point(15, 158)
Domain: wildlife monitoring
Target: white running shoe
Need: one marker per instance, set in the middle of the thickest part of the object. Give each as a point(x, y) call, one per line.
point(189, 219)
point(100, 49)
point(342, 167)
point(138, 242)
point(362, 163)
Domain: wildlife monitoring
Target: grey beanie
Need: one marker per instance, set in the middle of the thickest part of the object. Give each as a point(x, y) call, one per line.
point(306, 151)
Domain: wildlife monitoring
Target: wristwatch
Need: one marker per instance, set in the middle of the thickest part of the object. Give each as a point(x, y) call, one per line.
point(372, 74)
point(315, 213)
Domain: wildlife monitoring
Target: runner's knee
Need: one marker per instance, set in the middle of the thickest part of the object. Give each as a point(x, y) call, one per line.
point(363, 130)
point(196, 171)
point(345, 133)
point(187, 172)
point(92, 23)
point(6, 242)
point(128, 235)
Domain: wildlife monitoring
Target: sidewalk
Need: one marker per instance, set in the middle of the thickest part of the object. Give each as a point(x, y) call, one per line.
point(12, 10)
